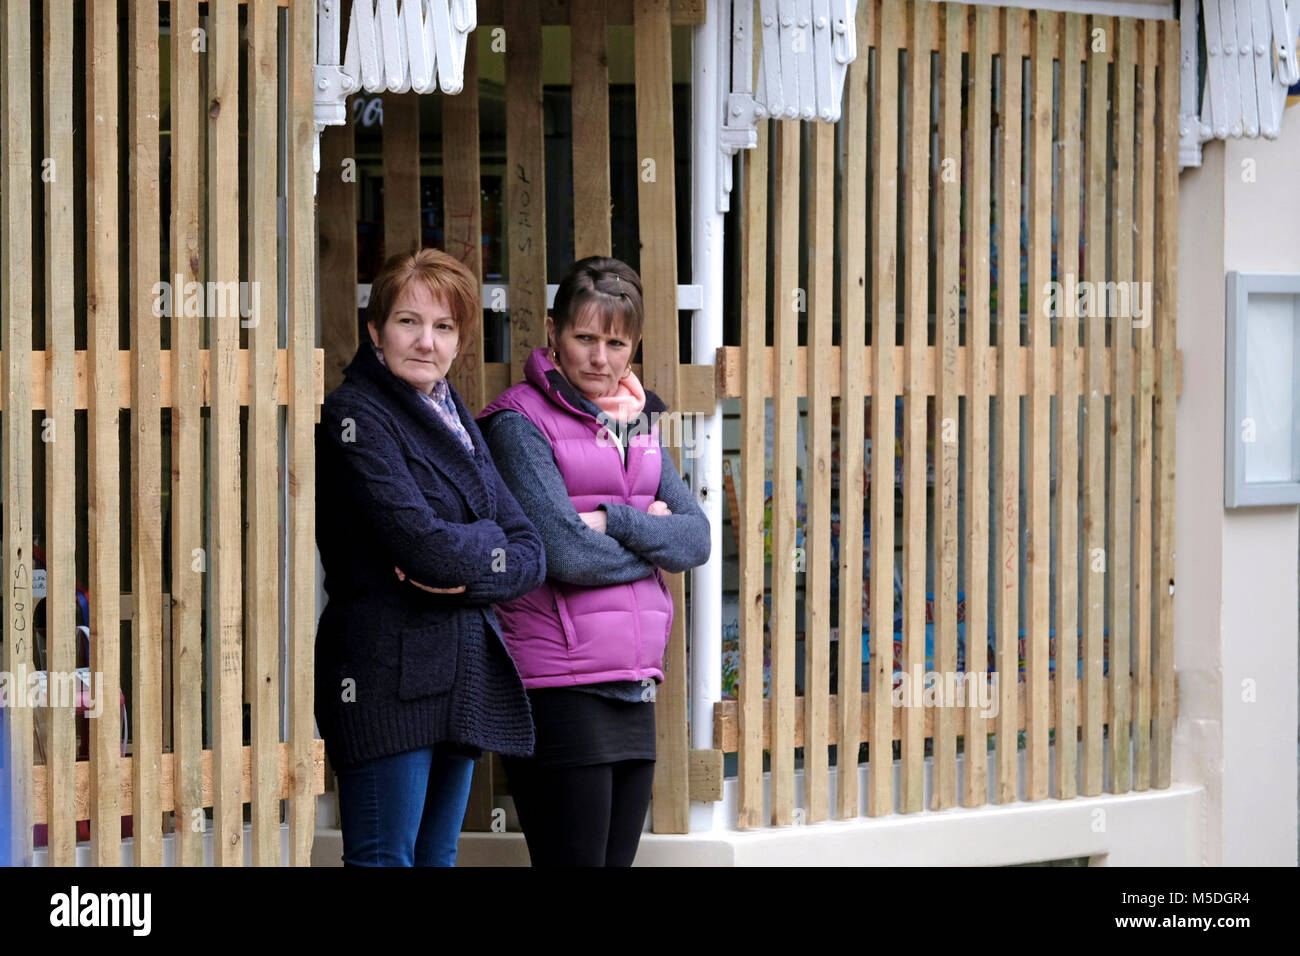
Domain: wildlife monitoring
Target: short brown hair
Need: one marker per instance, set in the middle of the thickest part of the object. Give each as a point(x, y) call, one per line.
point(447, 278)
point(610, 285)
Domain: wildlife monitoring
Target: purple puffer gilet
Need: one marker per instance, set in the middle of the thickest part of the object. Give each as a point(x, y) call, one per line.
point(561, 634)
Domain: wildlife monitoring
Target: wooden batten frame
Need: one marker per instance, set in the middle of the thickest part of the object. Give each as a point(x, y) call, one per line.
point(302, 414)
point(225, 619)
point(591, 199)
point(656, 200)
point(888, 38)
point(1143, 550)
point(60, 456)
point(262, 565)
point(1038, 552)
point(1066, 513)
point(785, 423)
point(975, 792)
point(1119, 556)
point(916, 310)
point(947, 330)
point(186, 427)
point(1093, 492)
point(463, 235)
point(146, 437)
point(102, 273)
point(16, 340)
point(1006, 483)
point(401, 166)
point(817, 547)
point(852, 367)
point(525, 197)
point(753, 402)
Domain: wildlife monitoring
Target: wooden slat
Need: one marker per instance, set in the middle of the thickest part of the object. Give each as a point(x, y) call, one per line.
point(946, 335)
point(590, 104)
point(658, 234)
point(463, 232)
point(1007, 475)
point(186, 427)
point(225, 637)
point(525, 193)
point(1094, 429)
point(463, 238)
point(1144, 543)
point(1066, 364)
point(146, 437)
point(60, 455)
point(817, 479)
point(302, 414)
point(1166, 330)
point(16, 430)
point(167, 392)
point(977, 402)
point(729, 359)
point(916, 312)
point(749, 530)
point(786, 296)
point(262, 620)
point(726, 735)
point(852, 371)
point(1119, 558)
point(1038, 548)
point(707, 776)
point(337, 218)
point(401, 167)
point(102, 422)
point(884, 312)
point(281, 769)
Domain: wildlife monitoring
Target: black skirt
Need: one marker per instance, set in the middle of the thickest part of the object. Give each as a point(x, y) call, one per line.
point(575, 728)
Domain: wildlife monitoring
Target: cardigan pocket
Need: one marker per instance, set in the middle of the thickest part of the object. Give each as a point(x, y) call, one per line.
point(428, 659)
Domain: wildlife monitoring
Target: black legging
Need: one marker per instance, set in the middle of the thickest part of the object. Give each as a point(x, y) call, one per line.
point(581, 816)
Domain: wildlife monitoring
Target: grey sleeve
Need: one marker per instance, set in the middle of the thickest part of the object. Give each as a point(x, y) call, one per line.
point(676, 542)
point(575, 553)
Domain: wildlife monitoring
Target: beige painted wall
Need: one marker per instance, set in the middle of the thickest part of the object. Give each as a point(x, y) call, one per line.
point(1235, 604)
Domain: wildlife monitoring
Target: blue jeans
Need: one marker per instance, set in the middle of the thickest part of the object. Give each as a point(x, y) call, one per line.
point(404, 810)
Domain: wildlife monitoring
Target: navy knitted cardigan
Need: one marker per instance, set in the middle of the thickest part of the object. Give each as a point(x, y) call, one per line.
point(398, 668)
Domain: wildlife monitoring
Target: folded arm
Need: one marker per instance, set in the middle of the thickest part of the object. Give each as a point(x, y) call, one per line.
point(676, 542)
point(575, 553)
point(372, 468)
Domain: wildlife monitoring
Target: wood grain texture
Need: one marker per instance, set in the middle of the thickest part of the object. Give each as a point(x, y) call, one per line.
point(1006, 480)
point(1038, 420)
point(1093, 492)
point(183, 362)
point(750, 528)
point(60, 452)
point(786, 296)
point(884, 313)
point(947, 333)
point(656, 202)
point(302, 415)
point(16, 428)
point(225, 640)
point(102, 276)
point(262, 560)
point(1066, 364)
point(975, 790)
point(590, 103)
point(852, 368)
point(817, 483)
point(146, 436)
point(525, 232)
point(402, 198)
point(916, 314)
